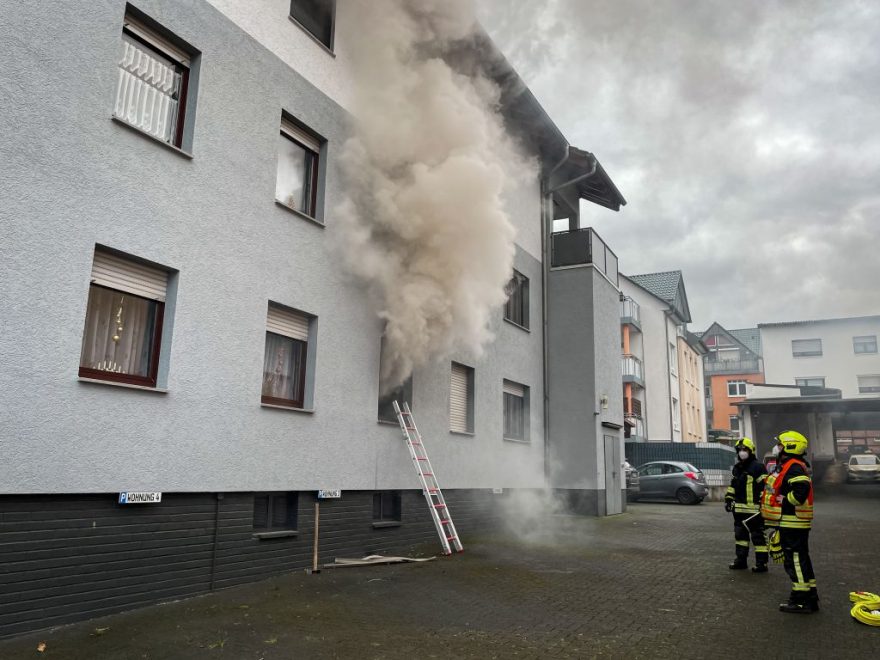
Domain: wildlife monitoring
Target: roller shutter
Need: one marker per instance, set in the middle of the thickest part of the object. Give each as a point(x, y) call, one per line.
point(124, 275)
point(458, 399)
point(287, 323)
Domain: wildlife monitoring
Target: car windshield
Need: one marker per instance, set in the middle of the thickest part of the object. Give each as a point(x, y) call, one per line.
point(864, 460)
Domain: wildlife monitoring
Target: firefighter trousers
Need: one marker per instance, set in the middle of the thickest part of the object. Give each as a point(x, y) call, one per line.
point(796, 560)
point(746, 527)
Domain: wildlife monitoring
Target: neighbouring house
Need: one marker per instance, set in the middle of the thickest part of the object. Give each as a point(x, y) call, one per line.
point(185, 364)
point(836, 353)
point(732, 362)
point(661, 362)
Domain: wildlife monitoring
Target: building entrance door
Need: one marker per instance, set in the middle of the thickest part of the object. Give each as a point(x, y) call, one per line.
point(613, 470)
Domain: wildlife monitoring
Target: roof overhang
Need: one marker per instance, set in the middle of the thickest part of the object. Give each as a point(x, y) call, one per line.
point(812, 404)
point(584, 171)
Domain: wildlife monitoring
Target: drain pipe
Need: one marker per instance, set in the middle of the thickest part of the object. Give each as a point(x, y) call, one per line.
point(546, 225)
point(578, 178)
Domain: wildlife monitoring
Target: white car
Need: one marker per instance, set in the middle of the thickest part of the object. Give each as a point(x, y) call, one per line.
point(863, 467)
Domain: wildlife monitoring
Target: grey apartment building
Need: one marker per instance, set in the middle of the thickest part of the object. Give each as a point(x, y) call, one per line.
point(175, 318)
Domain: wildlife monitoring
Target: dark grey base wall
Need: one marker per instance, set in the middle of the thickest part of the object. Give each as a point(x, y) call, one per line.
point(65, 558)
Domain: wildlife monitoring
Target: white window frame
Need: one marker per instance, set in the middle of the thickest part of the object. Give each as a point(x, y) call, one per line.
point(805, 353)
point(873, 388)
point(737, 383)
point(461, 399)
point(511, 390)
point(730, 421)
point(864, 340)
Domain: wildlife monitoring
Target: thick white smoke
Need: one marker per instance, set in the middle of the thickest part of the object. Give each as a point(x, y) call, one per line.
point(424, 224)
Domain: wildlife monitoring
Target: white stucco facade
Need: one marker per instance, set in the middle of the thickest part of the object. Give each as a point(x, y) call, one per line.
point(839, 364)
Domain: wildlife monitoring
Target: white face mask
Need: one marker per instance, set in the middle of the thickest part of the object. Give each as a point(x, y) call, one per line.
point(776, 450)
point(743, 454)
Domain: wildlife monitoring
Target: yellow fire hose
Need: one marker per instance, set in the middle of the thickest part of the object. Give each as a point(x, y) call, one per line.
point(866, 608)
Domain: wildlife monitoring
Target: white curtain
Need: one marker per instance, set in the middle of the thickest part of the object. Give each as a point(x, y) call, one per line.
point(282, 368)
point(131, 353)
point(147, 90)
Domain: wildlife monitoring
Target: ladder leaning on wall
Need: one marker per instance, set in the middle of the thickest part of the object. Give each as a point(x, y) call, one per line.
point(430, 488)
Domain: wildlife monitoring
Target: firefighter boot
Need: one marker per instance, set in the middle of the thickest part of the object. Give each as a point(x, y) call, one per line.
point(814, 599)
point(738, 565)
point(797, 605)
point(760, 567)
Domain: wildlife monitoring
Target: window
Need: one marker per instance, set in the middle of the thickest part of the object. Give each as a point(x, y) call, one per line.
point(866, 344)
point(151, 83)
point(734, 423)
point(736, 388)
point(806, 347)
point(275, 512)
point(668, 468)
point(386, 506)
point(296, 181)
point(869, 384)
point(517, 308)
point(284, 362)
point(673, 359)
point(651, 470)
point(810, 382)
point(461, 399)
point(676, 415)
point(401, 393)
point(123, 329)
point(516, 411)
point(316, 17)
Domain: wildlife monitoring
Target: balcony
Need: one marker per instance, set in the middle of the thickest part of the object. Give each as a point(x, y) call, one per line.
point(583, 246)
point(632, 370)
point(630, 313)
point(716, 367)
point(635, 408)
point(634, 428)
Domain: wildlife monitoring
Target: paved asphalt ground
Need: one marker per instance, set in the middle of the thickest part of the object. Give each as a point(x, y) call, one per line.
point(651, 583)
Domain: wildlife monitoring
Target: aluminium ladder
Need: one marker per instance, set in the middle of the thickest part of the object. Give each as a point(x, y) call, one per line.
point(430, 488)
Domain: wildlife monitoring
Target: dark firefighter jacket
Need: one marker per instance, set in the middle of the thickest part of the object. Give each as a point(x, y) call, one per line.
point(746, 485)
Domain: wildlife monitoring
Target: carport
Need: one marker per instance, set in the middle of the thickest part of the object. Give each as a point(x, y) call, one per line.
point(836, 427)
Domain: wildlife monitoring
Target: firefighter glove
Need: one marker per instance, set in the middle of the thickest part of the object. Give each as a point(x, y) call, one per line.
point(774, 546)
point(728, 505)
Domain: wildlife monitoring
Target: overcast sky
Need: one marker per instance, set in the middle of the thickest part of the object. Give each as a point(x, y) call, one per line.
point(745, 137)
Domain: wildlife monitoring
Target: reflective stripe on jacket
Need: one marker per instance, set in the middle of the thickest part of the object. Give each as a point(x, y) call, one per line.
point(746, 485)
point(781, 504)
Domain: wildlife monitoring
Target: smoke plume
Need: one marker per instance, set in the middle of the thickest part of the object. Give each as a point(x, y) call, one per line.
point(424, 223)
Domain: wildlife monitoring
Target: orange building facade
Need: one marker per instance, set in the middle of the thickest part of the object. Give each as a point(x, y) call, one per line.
point(723, 400)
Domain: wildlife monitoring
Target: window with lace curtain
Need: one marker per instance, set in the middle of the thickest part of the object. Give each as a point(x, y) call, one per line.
point(286, 357)
point(151, 82)
point(123, 329)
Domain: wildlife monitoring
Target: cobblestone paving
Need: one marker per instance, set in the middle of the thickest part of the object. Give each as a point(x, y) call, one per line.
point(651, 583)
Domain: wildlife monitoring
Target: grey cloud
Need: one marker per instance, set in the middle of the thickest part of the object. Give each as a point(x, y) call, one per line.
point(742, 134)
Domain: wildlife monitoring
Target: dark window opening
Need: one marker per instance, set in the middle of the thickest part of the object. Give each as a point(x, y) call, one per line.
point(275, 512)
point(516, 309)
point(317, 17)
point(386, 506)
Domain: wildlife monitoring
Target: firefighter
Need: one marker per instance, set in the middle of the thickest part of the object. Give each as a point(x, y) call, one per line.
point(743, 499)
point(788, 505)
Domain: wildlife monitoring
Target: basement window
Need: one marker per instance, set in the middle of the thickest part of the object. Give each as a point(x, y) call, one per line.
point(275, 512)
point(317, 17)
point(386, 508)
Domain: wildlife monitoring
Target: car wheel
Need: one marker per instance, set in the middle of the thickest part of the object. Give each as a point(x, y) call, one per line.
point(686, 496)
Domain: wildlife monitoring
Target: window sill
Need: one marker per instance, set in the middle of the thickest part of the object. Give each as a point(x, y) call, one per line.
point(326, 48)
point(308, 411)
point(801, 357)
point(470, 434)
point(127, 386)
point(382, 524)
point(516, 325)
point(300, 214)
point(132, 127)
point(386, 422)
point(280, 534)
point(518, 441)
